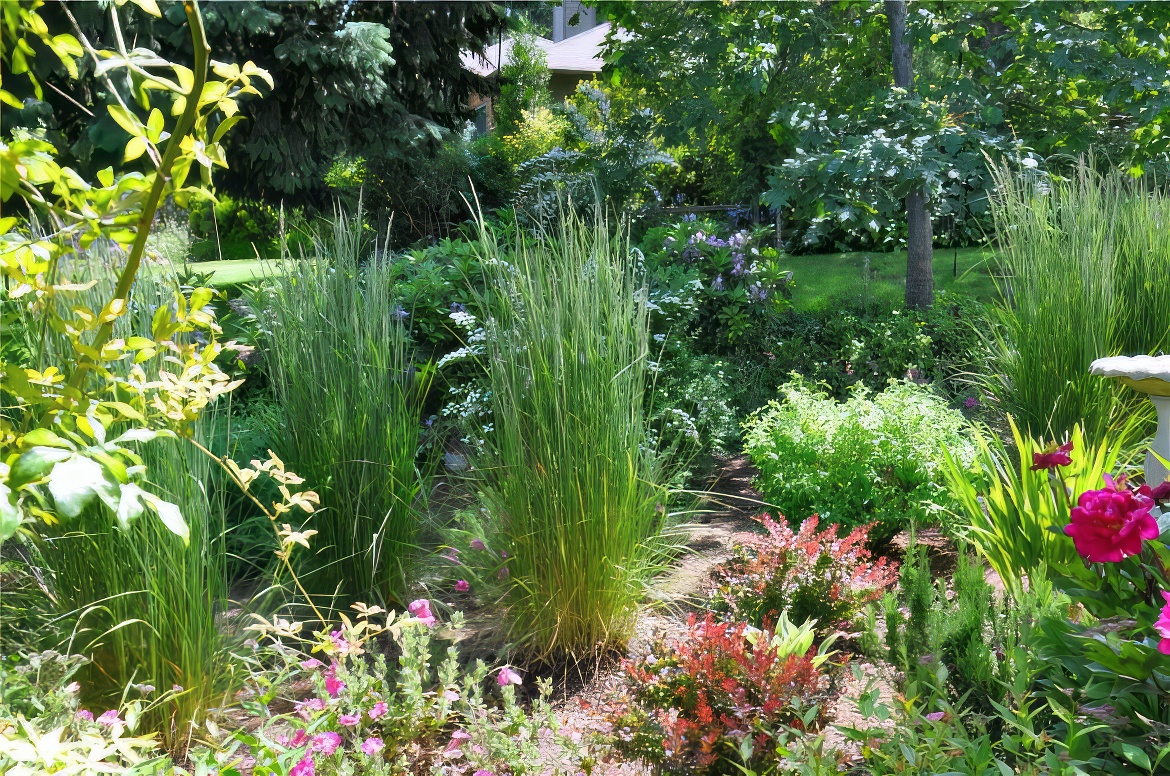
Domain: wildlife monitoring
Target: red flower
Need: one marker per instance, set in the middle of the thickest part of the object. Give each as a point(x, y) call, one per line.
point(1159, 493)
point(1109, 525)
point(1052, 456)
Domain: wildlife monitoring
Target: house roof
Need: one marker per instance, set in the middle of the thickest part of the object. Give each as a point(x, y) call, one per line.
point(578, 54)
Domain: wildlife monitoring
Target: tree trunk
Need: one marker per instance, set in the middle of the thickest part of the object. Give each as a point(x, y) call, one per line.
point(919, 253)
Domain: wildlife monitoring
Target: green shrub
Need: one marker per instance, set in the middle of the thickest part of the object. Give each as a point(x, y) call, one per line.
point(350, 395)
point(232, 229)
point(874, 458)
point(841, 346)
point(572, 483)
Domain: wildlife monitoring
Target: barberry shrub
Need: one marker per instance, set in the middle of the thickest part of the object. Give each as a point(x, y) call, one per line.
point(727, 693)
point(809, 573)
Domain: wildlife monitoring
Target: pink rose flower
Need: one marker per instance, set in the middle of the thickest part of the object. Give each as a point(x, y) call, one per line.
point(304, 767)
point(110, 718)
point(422, 610)
point(1163, 625)
point(349, 720)
point(462, 586)
point(1109, 525)
point(379, 710)
point(84, 716)
point(507, 676)
point(372, 745)
point(326, 743)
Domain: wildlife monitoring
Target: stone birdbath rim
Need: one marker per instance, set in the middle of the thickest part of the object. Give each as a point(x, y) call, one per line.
point(1145, 374)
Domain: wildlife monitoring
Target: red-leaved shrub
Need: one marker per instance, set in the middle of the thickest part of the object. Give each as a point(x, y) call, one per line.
point(812, 574)
point(692, 703)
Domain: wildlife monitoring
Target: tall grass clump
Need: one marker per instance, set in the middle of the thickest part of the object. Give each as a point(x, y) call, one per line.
point(351, 400)
point(573, 484)
point(1085, 262)
point(145, 609)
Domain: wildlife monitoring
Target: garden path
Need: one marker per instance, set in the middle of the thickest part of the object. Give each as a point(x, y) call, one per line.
point(584, 708)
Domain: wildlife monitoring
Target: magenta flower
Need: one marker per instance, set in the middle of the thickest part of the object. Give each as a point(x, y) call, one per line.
point(504, 573)
point(1163, 626)
point(339, 642)
point(311, 663)
point(299, 739)
point(326, 743)
point(462, 586)
point(372, 745)
point(349, 720)
point(477, 544)
point(306, 708)
point(379, 710)
point(507, 676)
point(1109, 525)
point(422, 610)
point(110, 718)
point(1052, 456)
point(333, 685)
point(304, 767)
point(84, 716)
point(971, 402)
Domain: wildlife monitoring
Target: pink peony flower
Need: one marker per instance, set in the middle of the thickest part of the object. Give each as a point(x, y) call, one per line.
point(1052, 456)
point(304, 767)
point(326, 743)
point(306, 708)
point(462, 586)
point(311, 664)
point(372, 745)
point(85, 716)
point(379, 710)
point(1163, 625)
point(349, 720)
point(507, 676)
point(1109, 525)
point(422, 610)
point(477, 544)
point(110, 718)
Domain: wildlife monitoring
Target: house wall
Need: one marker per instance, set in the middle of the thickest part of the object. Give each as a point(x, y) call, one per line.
point(564, 13)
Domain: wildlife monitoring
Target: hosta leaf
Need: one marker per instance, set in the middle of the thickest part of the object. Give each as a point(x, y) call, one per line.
point(34, 464)
point(170, 515)
point(10, 517)
point(75, 482)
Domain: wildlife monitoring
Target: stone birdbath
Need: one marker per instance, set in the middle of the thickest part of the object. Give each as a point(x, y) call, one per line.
point(1149, 375)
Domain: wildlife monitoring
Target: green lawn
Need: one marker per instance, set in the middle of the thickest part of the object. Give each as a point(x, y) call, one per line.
point(820, 279)
point(233, 272)
point(824, 278)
